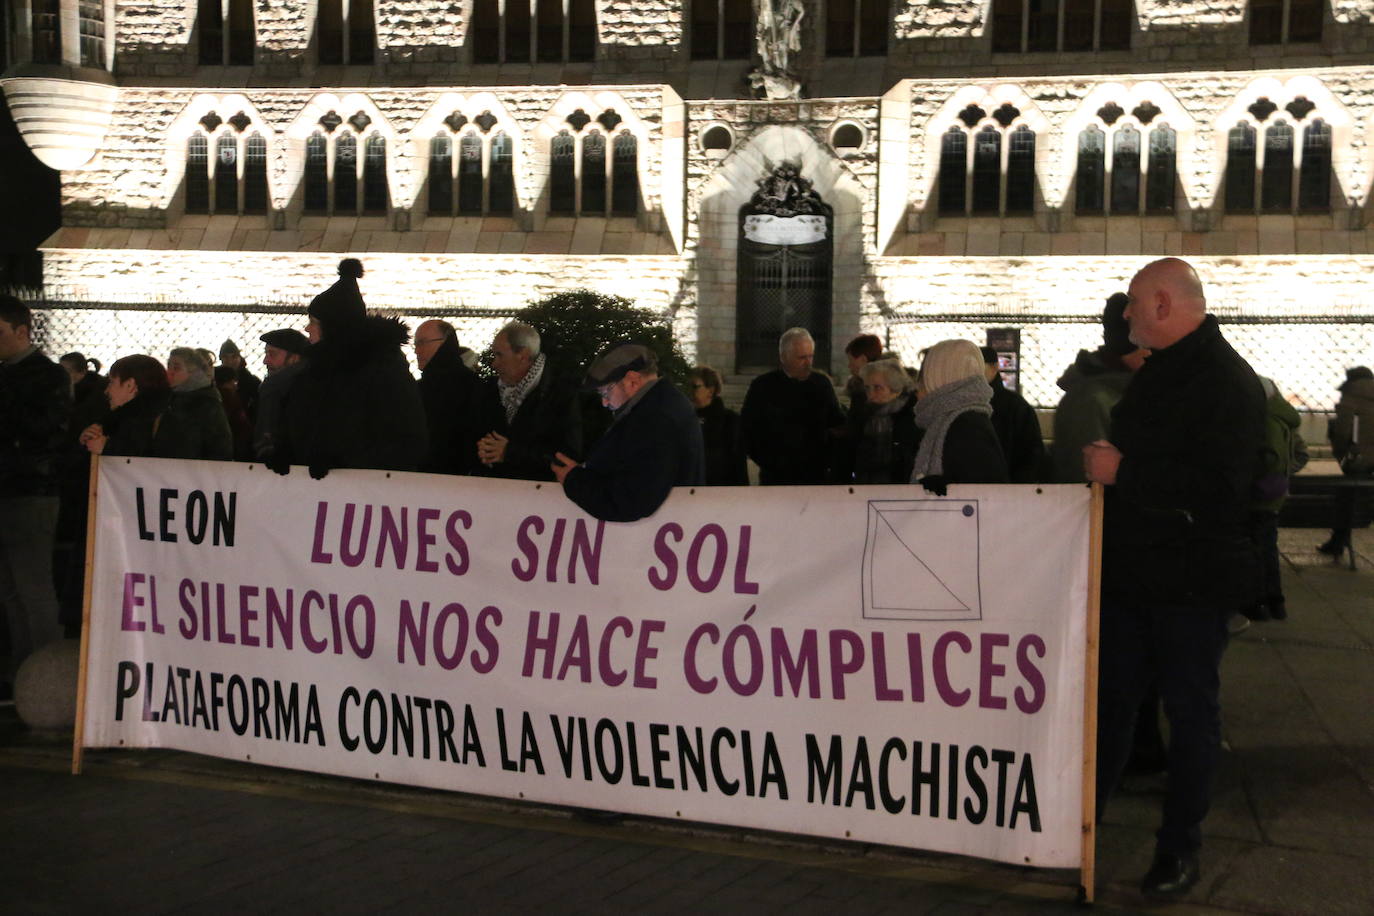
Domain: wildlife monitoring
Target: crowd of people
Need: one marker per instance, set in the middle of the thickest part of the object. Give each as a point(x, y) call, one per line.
point(1195, 451)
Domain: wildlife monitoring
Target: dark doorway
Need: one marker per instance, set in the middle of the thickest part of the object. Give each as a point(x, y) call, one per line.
point(784, 272)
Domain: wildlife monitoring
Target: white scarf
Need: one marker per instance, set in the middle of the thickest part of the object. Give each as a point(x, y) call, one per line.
point(512, 396)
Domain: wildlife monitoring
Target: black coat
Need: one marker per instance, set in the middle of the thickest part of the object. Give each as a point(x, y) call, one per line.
point(1018, 430)
point(972, 454)
point(787, 427)
point(859, 455)
point(132, 427)
point(195, 426)
point(1190, 428)
point(724, 445)
point(650, 448)
point(35, 404)
point(449, 392)
point(355, 403)
point(548, 421)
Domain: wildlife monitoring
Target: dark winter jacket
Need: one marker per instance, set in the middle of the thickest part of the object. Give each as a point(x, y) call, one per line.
point(1092, 386)
point(1018, 430)
point(724, 444)
point(879, 452)
point(1190, 428)
point(132, 427)
point(449, 390)
point(787, 427)
point(1356, 407)
point(972, 454)
point(653, 445)
point(35, 403)
point(548, 421)
point(354, 404)
point(271, 404)
point(196, 426)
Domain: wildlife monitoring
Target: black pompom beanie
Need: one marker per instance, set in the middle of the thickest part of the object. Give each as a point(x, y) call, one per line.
point(340, 308)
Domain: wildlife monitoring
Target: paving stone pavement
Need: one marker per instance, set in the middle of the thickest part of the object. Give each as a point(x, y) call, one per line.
point(1291, 832)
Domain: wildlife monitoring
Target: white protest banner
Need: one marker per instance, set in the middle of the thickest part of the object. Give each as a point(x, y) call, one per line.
point(870, 663)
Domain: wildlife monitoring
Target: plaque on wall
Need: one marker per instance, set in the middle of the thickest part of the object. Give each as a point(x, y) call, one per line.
point(784, 230)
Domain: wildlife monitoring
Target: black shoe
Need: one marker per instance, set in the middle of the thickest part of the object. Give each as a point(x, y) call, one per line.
point(1331, 547)
point(1170, 875)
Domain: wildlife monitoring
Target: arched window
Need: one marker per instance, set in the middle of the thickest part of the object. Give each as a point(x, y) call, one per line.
point(226, 174)
point(988, 169)
point(218, 20)
point(518, 31)
point(625, 176)
point(1021, 171)
point(953, 171)
point(1061, 25)
point(198, 174)
point(594, 173)
point(482, 177)
point(375, 197)
point(583, 173)
point(1092, 166)
point(234, 178)
point(346, 174)
point(345, 32)
point(856, 28)
point(317, 174)
point(1125, 182)
point(1279, 174)
point(721, 29)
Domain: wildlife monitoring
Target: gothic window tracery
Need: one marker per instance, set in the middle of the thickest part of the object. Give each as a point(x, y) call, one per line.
point(1061, 25)
point(594, 167)
point(1126, 163)
point(471, 168)
point(226, 167)
point(1278, 160)
point(345, 168)
point(525, 31)
point(987, 164)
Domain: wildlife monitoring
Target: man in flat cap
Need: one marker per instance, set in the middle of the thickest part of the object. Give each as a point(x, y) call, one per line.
point(653, 445)
point(282, 358)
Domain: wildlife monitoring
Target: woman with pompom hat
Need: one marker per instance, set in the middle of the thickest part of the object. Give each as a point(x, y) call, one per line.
point(355, 403)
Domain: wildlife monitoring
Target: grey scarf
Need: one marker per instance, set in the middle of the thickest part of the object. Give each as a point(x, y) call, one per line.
point(512, 396)
point(936, 411)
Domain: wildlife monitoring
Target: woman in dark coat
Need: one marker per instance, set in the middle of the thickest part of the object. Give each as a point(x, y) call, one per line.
point(882, 438)
point(355, 403)
point(196, 413)
point(139, 396)
point(725, 460)
point(958, 442)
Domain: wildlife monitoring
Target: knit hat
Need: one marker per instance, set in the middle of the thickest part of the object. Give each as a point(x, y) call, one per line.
point(341, 306)
point(288, 339)
point(228, 348)
point(1116, 330)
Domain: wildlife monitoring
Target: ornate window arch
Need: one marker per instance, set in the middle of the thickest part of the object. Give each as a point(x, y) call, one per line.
point(524, 31)
point(1278, 160)
point(1126, 162)
point(226, 166)
point(987, 163)
point(471, 167)
point(346, 167)
point(594, 166)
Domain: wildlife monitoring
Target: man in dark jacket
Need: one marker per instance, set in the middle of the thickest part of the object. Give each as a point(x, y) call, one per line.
point(529, 414)
point(788, 416)
point(448, 390)
point(1184, 454)
point(653, 445)
point(282, 357)
point(355, 404)
point(35, 399)
point(248, 383)
point(1018, 428)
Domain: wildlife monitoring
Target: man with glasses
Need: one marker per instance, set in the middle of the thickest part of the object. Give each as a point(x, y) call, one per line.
point(529, 414)
point(653, 445)
point(448, 391)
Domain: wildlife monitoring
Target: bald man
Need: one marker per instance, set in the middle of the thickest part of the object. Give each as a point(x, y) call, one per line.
point(449, 392)
point(1184, 455)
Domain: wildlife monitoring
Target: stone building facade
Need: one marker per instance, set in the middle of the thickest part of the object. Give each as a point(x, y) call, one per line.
point(969, 162)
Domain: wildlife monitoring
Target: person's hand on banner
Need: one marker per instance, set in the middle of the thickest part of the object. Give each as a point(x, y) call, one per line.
point(1101, 460)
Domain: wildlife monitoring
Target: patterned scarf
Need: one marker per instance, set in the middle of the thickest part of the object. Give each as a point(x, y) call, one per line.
point(936, 411)
point(512, 396)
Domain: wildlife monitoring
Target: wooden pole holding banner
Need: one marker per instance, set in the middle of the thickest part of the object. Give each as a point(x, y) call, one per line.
point(79, 731)
point(1088, 869)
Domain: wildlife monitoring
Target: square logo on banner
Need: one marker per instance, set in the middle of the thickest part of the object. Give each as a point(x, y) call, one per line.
point(921, 560)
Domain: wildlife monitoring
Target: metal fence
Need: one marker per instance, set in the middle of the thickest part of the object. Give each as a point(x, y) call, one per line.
point(1305, 355)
